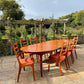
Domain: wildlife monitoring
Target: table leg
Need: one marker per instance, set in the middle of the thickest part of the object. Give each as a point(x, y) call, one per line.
point(41, 65)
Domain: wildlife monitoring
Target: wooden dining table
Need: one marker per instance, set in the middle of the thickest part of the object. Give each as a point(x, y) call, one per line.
point(41, 48)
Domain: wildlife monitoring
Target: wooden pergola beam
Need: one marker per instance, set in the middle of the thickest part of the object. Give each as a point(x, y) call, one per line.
point(31, 22)
point(39, 22)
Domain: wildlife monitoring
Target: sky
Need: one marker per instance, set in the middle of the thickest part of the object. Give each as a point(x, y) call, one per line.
point(38, 9)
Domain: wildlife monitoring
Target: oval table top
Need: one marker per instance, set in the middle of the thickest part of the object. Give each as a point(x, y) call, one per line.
point(43, 47)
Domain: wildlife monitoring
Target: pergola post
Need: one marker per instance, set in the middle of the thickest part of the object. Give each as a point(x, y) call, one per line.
point(41, 29)
point(11, 38)
point(64, 27)
point(35, 30)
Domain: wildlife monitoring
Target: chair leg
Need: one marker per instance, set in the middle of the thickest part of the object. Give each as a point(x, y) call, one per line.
point(56, 64)
point(24, 68)
point(72, 57)
point(33, 72)
point(48, 65)
point(66, 64)
point(19, 74)
point(32, 56)
point(60, 68)
point(55, 51)
point(76, 54)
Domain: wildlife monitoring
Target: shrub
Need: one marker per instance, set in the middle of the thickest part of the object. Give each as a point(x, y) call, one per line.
point(2, 29)
point(69, 33)
point(80, 33)
point(5, 47)
point(18, 33)
point(0, 35)
point(50, 34)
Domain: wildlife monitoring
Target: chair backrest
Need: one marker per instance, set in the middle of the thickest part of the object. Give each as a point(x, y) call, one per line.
point(33, 41)
point(76, 40)
point(24, 42)
point(61, 51)
point(42, 39)
point(71, 44)
point(64, 37)
point(65, 47)
point(17, 52)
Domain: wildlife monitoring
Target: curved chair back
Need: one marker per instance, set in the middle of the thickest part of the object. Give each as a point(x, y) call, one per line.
point(64, 37)
point(61, 51)
point(24, 42)
point(76, 40)
point(33, 41)
point(65, 47)
point(71, 44)
point(17, 52)
point(42, 39)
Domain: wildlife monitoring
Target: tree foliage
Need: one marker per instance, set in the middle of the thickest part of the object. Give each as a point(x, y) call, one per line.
point(11, 9)
point(75, 19)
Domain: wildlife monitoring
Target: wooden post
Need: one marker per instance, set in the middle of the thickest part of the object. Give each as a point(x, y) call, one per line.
point(41, 29)
point(64, 27)
point(35, 30)
point(11, 27)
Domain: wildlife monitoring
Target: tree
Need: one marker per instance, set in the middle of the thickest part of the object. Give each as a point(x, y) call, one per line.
point(11, 9)
point(79, 17)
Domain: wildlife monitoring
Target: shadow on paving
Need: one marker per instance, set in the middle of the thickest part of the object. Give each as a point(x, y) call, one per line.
point(76, 71)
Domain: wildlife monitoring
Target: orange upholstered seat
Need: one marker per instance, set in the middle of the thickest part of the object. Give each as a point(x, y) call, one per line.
point(27, 61)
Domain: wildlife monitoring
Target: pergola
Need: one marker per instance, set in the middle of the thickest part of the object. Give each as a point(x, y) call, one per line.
point(35, 22)
point(26, 22)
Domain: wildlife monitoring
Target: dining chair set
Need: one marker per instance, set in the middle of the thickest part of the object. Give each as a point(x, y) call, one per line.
point(66, 50)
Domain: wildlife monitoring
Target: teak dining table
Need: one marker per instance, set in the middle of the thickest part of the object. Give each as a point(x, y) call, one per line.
point(41, 48)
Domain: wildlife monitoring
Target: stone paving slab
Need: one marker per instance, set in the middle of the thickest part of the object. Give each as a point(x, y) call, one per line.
point(78, 81)
point(8, 75)
point(75, 75)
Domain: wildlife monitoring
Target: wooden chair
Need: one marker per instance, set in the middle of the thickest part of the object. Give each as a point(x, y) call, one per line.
point(74, 49)
point(23, 43)
point(64, 37)
point(34, 41)
point(75, 39)
point(42, 39)
point(59, 57)
point(69, 52)
point(23, 62)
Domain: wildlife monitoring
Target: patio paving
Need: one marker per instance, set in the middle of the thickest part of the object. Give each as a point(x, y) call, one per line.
point(75, 75)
